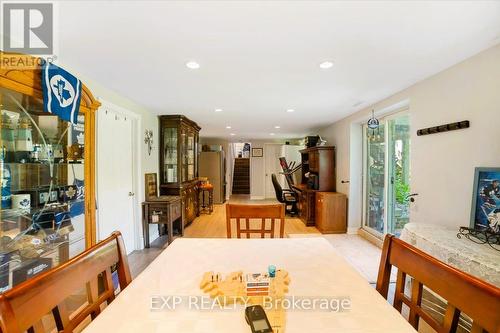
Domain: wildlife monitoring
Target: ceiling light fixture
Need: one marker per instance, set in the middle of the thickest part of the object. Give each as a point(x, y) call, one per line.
point(271, 133)
point(192, 65)
point(326, 64)
point(232, 134)
point(290, 110)
point(277, 127)
point(218, 110)
point(228, 127)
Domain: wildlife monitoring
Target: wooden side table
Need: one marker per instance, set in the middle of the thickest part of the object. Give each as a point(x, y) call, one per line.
point(162, 210)
point(207, 207)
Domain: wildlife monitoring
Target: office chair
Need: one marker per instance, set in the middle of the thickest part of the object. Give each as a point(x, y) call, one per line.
point(288, 197)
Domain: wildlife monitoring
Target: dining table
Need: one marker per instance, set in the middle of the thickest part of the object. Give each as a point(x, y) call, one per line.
point(315, 270)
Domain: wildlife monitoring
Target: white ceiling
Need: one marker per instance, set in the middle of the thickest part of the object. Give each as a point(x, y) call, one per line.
point(260, 58)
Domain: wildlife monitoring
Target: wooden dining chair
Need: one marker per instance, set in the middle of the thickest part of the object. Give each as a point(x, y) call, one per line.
point(26, 306)
point(465, 293)
point(244, 213)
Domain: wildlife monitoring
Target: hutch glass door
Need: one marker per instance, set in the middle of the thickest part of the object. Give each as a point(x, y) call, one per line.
point(42, 221)
point(190, 155)
point(170, 154)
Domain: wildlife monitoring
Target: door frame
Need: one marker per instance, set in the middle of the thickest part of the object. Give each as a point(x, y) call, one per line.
point(136, 168)
point(384, 118)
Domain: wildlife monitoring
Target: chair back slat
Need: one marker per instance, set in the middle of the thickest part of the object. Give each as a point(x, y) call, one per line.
point(260, 213)
point(465, 293)
point(23, 306)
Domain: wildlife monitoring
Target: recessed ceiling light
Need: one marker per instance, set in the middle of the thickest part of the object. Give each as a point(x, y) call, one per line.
point(192, 65)
point(218, 110)
point(326, 64)
point(232, 134)
point(228, 127)
point(290, 110)
point(277, 127)
point(271, 133)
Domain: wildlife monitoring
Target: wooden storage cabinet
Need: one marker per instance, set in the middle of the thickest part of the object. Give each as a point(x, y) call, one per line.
point(306, 206)
point(179, 148)
point(319, 162)
point(331, 212)
point(190, 202)
point(175, 210)
point(318, 176)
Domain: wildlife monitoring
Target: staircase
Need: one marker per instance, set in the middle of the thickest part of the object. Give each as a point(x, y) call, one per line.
point(241, 176)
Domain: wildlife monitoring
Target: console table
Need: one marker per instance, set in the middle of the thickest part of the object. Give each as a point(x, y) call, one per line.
point(164, 210)
point(479, 260)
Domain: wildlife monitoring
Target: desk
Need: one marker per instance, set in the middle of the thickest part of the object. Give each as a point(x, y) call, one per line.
point(306, 204)
point(165, 210)
point(314, 267)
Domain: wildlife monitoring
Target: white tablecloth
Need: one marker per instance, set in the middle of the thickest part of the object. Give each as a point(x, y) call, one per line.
point(315, 270)
point(442, 242)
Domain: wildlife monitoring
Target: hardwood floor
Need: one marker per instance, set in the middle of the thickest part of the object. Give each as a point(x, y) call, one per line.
point(140, 259)
point(210, 226)
point(214, 225)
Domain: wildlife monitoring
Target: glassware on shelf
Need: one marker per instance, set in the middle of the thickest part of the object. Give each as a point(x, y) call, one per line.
point(170, 154)
point(42, 220)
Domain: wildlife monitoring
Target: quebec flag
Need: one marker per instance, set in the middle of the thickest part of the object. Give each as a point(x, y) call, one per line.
point(61, 92)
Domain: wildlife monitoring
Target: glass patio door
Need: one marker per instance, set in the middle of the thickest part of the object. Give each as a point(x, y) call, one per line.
point(398, 210)
point(386, 157)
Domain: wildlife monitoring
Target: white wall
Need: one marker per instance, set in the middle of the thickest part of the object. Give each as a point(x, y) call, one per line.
point(258, 167)
point(442, 165)
point(257, 171)
point(148, 163)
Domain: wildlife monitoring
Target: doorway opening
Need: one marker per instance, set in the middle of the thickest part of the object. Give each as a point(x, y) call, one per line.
point(386, 186)
point(241, 168)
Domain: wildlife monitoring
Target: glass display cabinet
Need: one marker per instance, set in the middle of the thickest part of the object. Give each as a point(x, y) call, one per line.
point(47, 210)
point(179, 138)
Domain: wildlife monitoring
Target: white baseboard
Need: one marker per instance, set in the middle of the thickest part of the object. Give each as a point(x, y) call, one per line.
point(257, 197)
point(352, 230)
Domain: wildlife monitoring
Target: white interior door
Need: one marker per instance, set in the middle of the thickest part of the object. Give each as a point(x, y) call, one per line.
point(272, 154)
point(115, 181)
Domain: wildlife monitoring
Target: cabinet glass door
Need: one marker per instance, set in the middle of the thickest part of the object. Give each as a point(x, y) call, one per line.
point(170, 155)
point(184, 161)
point(42, 221)
point(190, 156)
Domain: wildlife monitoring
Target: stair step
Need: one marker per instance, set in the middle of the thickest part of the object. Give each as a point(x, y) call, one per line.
point(241, 176)
point(241, 191)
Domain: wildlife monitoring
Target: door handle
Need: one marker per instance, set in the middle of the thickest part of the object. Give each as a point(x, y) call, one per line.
point(131, 194)
point(411, 197)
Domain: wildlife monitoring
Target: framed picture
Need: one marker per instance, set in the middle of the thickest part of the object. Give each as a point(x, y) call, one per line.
point(151, 190)
point(485, 213)
point(257, 152)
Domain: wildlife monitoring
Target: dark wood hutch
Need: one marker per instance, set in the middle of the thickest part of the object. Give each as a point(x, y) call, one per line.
point(179, 148)
point(316, 205)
